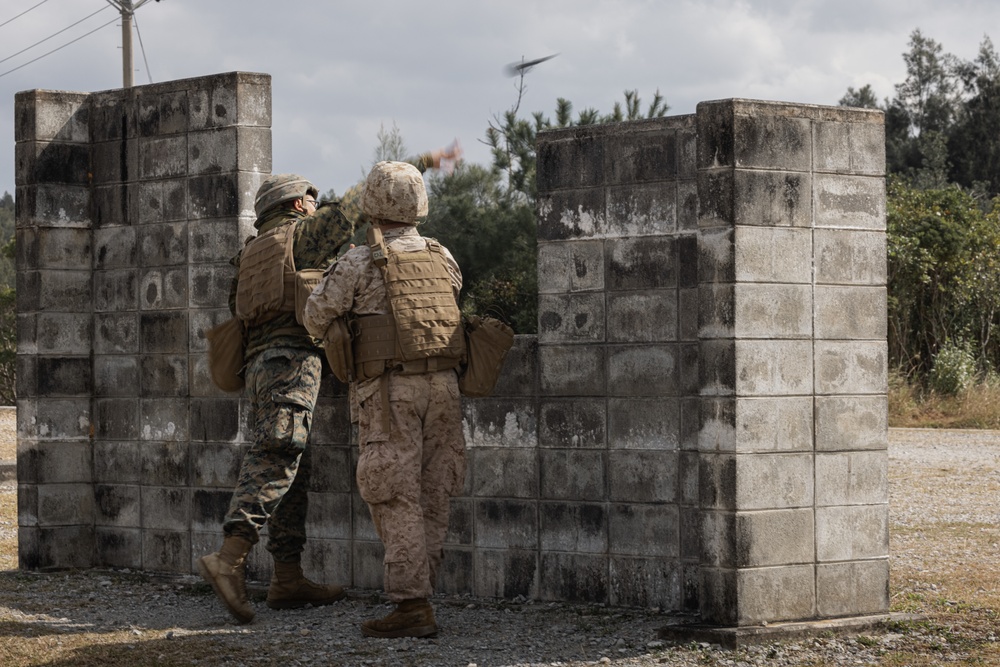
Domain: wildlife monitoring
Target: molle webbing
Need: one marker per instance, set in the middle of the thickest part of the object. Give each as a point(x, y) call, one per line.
point(428, 321)
point(267, 276)
point(375, 350)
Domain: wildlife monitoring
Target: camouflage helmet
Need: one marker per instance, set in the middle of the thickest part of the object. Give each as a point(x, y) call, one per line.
point(281, 188)
point(395, 191)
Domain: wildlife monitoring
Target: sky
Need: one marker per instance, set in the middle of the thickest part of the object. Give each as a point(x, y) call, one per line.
point(435, 69)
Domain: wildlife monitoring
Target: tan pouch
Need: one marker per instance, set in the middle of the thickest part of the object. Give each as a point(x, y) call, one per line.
point(487, 341)
point(225, 355)
point(305, 282)
point(338, 349)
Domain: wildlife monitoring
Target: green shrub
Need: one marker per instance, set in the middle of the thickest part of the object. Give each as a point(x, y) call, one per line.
point(954, 369)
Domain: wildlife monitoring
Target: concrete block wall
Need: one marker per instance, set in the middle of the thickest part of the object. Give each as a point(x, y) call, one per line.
point(699, 425)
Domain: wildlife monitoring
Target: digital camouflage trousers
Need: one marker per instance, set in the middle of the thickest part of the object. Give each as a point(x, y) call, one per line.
point(282, 385)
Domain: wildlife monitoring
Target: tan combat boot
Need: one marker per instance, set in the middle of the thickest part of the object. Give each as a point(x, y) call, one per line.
point(289, 589)
point(226, 571)
point(411, 618)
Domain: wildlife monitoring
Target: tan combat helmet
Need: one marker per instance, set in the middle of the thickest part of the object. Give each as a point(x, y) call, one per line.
point(395, 191)
point(281, 188)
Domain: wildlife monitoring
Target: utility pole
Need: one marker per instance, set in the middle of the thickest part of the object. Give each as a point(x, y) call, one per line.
point(127, 8)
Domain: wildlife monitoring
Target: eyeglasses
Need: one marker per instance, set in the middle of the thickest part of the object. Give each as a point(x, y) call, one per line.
point(311, 201)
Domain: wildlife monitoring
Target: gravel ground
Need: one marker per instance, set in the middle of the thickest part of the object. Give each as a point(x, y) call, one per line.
point(130, 618)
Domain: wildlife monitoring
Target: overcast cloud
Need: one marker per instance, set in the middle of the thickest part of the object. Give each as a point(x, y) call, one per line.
point(435, 68)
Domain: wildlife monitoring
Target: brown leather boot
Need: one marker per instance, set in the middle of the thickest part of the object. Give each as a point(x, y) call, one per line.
point(289, 589)
point(411, 618)
point(226, 571)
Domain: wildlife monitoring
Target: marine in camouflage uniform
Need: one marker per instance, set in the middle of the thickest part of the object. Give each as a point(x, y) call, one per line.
point(412, 449)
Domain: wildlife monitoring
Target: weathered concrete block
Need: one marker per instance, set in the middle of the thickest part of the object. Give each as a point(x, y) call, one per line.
point(161, 111)
point(751, 596)
point(756, 424)
point(212, 241)
point(506, 524)
point(116, 291)
point(461, 522)
point(456, 574)
point(253, 149)
point(643, 370)
point(166, 508)
point(643, 423)
point(645, 582)
point(213, 151)
point(54, 205)
point(773, 367)
point(504, 472)
point(852, 422)
point(331, 423)
point(573, 527)
point(47, 115)
point(687, 482)
point(64, 333)
point(765, 139)
point(520, 369)
point(366, 561)
point(571, 474)
point(642, 210)
point(114, 162)
point(642, 263)
point(117, 462)
point(573, 577)
point(687, 314)
point(364, 528)
point(687, 204)
point(163, 332)
point(62, 462)
point(575, 266)
point(166, 551)
point(634, 317)
point(852, 589)
point(569, 318)
point(216, 465)
point(852, 478)
point(856, 312)
point(644, 530)
point(642, 476)
point(641, 154)
point(214, 196)
point(772, 198)
point(118, 547)
point(163, 375)
point(52, 162)
point(716, 205)
point(116, 333)
point(327, 512)
point(60, 547)
point(572, 214)
point(572, 370)
point(163, 289)
point(772, 255)
point(855, 202)
point(117, 505)
point(63, 290)
point(61, 419)
point(569, 159)
point(162, 200)
point(64, 376)
point(117, 418)
point(163, 419)
point(757, 539)
point(163, 244)
point(65, 504)
point(849, 147)
point(507, 573)
point(851, 367)
point(503, 422)
point(210, 283)
point(852, 533)
point(26, 374)
point(756, 311)
point(163, 157)
point(115, 248)
point(27, 500)
point(214, 420)
point(573, 423)
point(754, 482)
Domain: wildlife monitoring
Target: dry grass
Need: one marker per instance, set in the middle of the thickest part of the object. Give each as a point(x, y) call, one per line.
point(912, 406)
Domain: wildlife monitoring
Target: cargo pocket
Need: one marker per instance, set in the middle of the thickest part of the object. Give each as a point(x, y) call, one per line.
point(378, 469)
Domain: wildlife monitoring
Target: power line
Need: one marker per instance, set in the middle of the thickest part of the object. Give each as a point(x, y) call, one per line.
point(60, 48)
point(23, 13)
point(41, 41)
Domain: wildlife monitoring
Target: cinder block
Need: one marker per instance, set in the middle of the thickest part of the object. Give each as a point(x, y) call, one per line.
point(573, 423)
point(644, 530)
point(687, 314)
point(163, 157)
point(212, 151)
point(331, 422)
point(163, 419)
point(117, 505)
point(687, 203)
point(166, 551)
point(640, 154)
point(165, 463)
point(647, 583)
point(774, 481)
point(253, 99)
point(569, 160)
point(65, 547)
point(118, 547)
point(850, 313)
point(45, 115)
point(163, 375)
point(64, 250)
point(643, 423)
point(852, 589)
point(851, 202)
point(111, 118)
point(576, 214)
point(64, 376)
point(644, 263)
point(772, 198)
point(570, 266)
point(329, 516)
point(571, 318)
point(163, 289)
point(214, 196)
point(456, 574)
point(757, 539)
point(572, 370)
point(503, 422)
point(773, 367)
point(642, 210)
point(852, 478)
point(116, 291)
point(642, 476)
point(643, 370)
point(26, 376)
point(573, 527)
point(506, 524)
point(210, 284)
point(852, 367)
point(63, 290)
point(208, 508)
point(641, 317)
point(519, 376)
point(117, 462)
point(212, 241)
point(215, 420)
point(63, 462)
point(765, 138)
point(327, 561)
point(573, 577)
point(461, 522)
point(687, 474)
point(64, 333)
point(163, 244)
point(507, 573)
point(164, 332)
point(109, 164)
point(65, 504)
point(254, 149)
point(58, 419)
point(571, 474)
point(217, 465)
point(757, 424)
point(115, 248)
point(716, 205)
point(364, 528)
point(166, 508)
point(116, 333)
point(852, 422)
point(767, 310)
point(54, 205)
point(772, 255)
point(504, 472)
point(775, 594)
point(852, 533)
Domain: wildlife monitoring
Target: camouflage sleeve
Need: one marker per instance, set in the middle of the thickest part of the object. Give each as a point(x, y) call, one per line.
point(334, 295)
point(319, 237)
